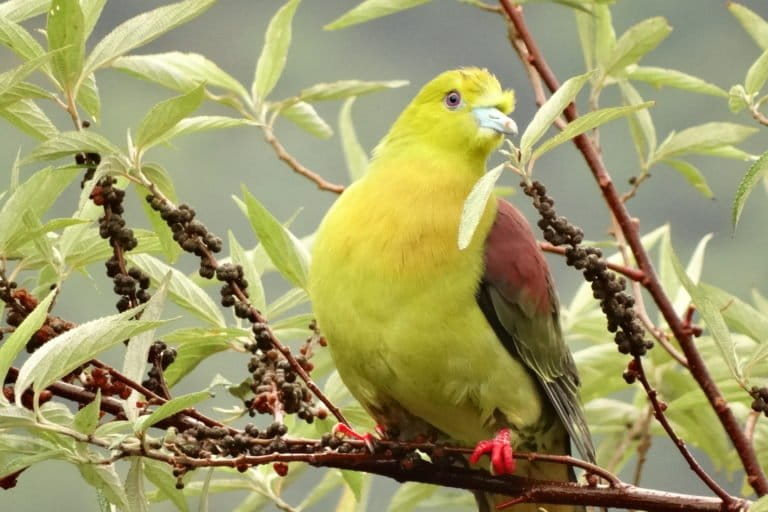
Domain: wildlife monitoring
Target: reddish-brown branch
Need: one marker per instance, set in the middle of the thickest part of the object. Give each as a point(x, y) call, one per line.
point(632, 273)
point(698, 369)
point(297, 167)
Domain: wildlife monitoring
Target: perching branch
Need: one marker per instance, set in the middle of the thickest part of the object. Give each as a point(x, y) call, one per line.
point(698, 369)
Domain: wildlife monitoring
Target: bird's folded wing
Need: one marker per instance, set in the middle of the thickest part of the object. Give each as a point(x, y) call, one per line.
point(517, 298)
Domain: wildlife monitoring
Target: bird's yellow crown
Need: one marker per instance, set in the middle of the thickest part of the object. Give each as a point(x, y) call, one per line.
point(449, 116)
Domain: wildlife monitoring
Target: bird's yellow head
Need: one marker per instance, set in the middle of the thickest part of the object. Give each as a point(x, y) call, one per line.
point(463, 110)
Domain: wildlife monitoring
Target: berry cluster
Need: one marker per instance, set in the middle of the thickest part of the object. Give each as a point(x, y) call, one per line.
point(100, 379)
point(20, 303)
point(233, 278)
point(276, 385)
point(52, 327)
point(760, 402)
point(617, 305)
point(202, 441)
point(130, 284)
point(190, 234)
point(160, 356)
point(27, 398)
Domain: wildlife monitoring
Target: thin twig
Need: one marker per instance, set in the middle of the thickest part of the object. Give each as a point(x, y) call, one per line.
point(294, 164)
point(644, 445)
point(755, 475)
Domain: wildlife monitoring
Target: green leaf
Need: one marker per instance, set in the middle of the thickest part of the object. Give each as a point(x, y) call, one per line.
point(9, 79)
point(410, 495)
point(304, 115)
point(663, 77)
point(179, 71)
point(271, 63)
point(711, 316)
point(640, 122)
point(737, 99)
point(88, 97)
point(181, 289)
point(15, 343)
point(21, 91)
point(104, 478)
point(371, 9)
point(165, 115)
point(703, 137)
point(255, 287)
point(585, 25)
point(587, 122)
point(203, 504)
point(330, 481)
point(87, 418)
point(142, 29)
point(476, 205)
point(760, 505)
point(37, 195)
point(17, 39)
point(160, 475)
point(756, 27)
point(692, 175)
point(754, 174)
point(196, 124)
point(354, 154)
point(605, 36)
point(170, 408)
point(135, 360)
point(70, 143)
point(71, 349)
point(740, 316)
point(29, 118)
point(20, 10)
point(134, 486)
point(287, 301)
point(66, 32)
point(196, 344)
point(550, 111)
point(757, 74)
point(285, 250)
point(636, 42)
point(346, 88)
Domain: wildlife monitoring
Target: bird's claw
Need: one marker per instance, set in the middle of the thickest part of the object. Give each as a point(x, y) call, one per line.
point(346, 431)
point(500, 450)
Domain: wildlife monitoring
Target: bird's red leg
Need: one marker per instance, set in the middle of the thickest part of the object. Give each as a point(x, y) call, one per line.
point(500, 451)
point(346, 431)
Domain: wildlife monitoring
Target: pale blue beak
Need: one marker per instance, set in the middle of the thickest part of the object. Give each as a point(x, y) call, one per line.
point(493, 118)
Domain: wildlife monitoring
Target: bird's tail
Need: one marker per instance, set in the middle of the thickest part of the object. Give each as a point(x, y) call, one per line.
point(487, 502)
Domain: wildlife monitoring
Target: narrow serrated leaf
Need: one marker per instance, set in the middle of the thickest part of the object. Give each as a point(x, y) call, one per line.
point(737, 98)
point(692, 175)
point(66, 32)
point(754, 174)
point(142, 29)
point(476, 205)
point(17, 39)
point(88, 97)
point(588, 122)
point(641, 124)
point(271, 63)
point(410, 495)
point(711, 316)
point(20, 10)
point(181, 289)
point(179, 71)
point(702, 137)
point(304, 115)
point(160, 475)
point(87, 419)
point(165, 115)
point(134, 486)
point(70, 143)
point(29, 118)
point(550, 110)
point(91, 12)
point(354, 154)
point(371, 9)
point(9, 79)
point(753, 23)
point(757, 74)
point(346, 88)
point(605, 36)
point(69, 350)
point(663, 77)
point(15, 343)
point(196, 124)
point(104, 478)
point(638, 40)
point(170, 408)
point(285, 250)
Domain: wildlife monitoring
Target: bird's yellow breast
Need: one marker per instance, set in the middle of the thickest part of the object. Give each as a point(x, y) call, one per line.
point(396, 299)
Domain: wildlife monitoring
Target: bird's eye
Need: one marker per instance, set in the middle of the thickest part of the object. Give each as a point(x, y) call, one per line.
point(452, 100)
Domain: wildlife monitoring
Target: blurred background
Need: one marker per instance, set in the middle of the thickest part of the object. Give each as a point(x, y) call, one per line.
point(416, 45)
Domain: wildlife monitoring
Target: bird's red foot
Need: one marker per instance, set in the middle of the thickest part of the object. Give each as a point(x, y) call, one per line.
point(502, 462)
point(346, 431)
